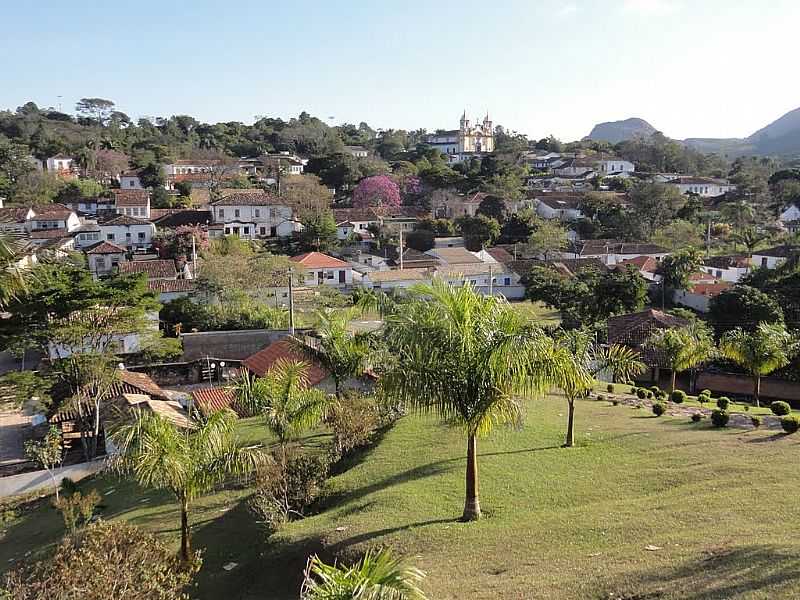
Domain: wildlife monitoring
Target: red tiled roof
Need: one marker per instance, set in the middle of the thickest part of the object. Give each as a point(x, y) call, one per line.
point(155, 269)
point(106, 248)
point(710, 289)
point(250, 199)
point(125, 220)
point(131, 197)
point(263, 360)
point(318, 260)
point(211, 400)
point(12, 214)
point(52, 211)
point(501, 255)
point(354, 214)
point(48, 234)
point(141, 381)
point(171, 285)
point(643, 263)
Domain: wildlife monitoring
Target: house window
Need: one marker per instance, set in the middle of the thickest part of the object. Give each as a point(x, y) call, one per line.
point(262, 231)
point(764, 261)
point(507, 281)
point(110, 236)
point(141, 236)
point(236, 213)
point(247, 231)
point(130, 184)
point(221, 213)
point(100, 262)
point(257, 212)
point(328, 274)
point(127, 235)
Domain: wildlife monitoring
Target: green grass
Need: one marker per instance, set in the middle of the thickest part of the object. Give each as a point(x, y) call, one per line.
point(537, 312)
point(559, 523)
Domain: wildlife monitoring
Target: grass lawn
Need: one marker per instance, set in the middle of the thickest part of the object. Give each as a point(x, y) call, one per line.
point(537, 312)
point(717, 506)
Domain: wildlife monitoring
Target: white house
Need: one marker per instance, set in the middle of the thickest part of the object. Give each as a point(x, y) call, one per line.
point(614, 167)
point(15, 220)
point(773, 257)
point(357, 151)
point(354, 220)
point(254, 215)
point(791, 213)
point(129, 180)
point(129, 232)
point(60, 163)
point(132, 202)
point(702, 186)
point(321, 269)
point(104, 257)
point(88, 234)
point(124, 343)
point(395, 279)
point(564, 207)
point(187, 166)
point(699, 295)
point(727, 268)
point(54, 216)
point(612, 252)
point(487, 278)
point(573, 167)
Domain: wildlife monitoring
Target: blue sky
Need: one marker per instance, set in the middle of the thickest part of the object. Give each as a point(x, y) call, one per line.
point(690, 67)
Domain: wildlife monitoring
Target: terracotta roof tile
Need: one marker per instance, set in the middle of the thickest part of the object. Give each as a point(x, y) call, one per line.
point(211, 400)
point(131, 197)
point(263, 360)
point(171, 285)
point(318, 260)
point(106, 248)
point(155, 269)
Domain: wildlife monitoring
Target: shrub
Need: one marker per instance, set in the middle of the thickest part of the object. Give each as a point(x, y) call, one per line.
point(353, 420)
point(107, 555)
point(696, 417)
point(723, 403)
point(641, 393)
point(610, 388)
point(702, 399)
point(755, 421)
point(720, 418)
point(780, 408)
point(601, 398)
point(659, 408)
point(630, 383)
point(287, 486)
point(77, 509)
point(678, 397)
point(706, 393)
point(790, 424)
point(615, 402)
point(650, 394)
point(655, 389)
point(746, 408)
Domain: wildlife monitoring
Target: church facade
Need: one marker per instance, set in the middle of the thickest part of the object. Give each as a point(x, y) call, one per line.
point(466, 141)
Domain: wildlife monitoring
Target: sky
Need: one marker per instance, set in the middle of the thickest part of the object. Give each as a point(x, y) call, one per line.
point(692, 68)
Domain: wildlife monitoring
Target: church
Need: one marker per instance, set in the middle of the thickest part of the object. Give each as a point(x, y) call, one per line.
point(466, 141)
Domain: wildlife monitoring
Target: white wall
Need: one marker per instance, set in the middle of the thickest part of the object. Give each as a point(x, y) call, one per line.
point(120, 237)
point(770, 262)
point(25, 483)
point(316, 277)
point(696, 301)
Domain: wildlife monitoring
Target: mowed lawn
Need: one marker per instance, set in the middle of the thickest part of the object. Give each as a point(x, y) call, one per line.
point(716, 508)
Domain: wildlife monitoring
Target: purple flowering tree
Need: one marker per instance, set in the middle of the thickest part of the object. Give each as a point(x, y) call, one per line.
point(378, 191)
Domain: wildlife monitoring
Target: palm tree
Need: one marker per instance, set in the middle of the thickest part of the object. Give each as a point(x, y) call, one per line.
point(589, 358)
point(466, 358)
point(283, 396)
point(342, 353)
point(157, 454)
point(683, 348)
point(13, 276)
point(377, 576)
point(767, 348)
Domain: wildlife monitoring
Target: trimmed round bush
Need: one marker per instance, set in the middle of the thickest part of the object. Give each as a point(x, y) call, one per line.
point(650, 394)
point(659, 408)
point(790, 424)
point(723, 403)
point(678, 397)
point(655, 389)
point(610, 388)
point(780, 408)
point(720, 418)
point(696, 417)
point(615, 402)
point(746, 408)
point(641, 393)
point(630, 383)
point(706, 393)
point(601, 398)
point(755, 421)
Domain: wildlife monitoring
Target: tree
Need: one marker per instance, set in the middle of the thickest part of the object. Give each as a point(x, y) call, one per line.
point(420, 239)
point(306, 196)
point(378, 191)
point(761, 351)
point(493, 207)
point(343, 354)
point(14, 274)
point(232, 266)
point(655, 205)
point(590, 358)
point(683, 348)
point(468, 358)
point(97, 108)
point(107, 559)
point(518, 227)
point(378, 575)
point(679, 234)
point(285, 399)
point(47, 453)
point(743, 306)
point(319, 232)
point(675, 269)
point(478, 231)
point(157, 454)
point(548, 237)
point(749, 237)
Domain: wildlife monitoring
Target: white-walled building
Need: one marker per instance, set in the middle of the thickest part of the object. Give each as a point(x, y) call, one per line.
point(15, 219)
point(617, 166)
point(129, 180)
point(702, 186)
point(88, 234)
point(251, 216)
point(123, 343)
point(354, 220)
point(564, 207)
point(132, 202)
point(129, 232)
point(357, 151)
point(466, 141)
point(727, 268)
point(612, 252)
point(773, 257)
point(60, 163)
point(321, 269)
point(54, 216)
point(104, 257)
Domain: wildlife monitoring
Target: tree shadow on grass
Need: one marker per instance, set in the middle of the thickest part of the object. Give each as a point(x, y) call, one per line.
point(723, 574)
point(767, 439)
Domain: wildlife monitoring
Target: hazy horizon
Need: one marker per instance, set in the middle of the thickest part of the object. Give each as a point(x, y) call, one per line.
point(553, 68)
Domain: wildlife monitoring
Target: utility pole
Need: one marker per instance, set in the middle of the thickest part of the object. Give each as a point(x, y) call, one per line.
point(291, 304)
point(708, 238)
point(401, 248)
point(491, 273)
point(194, 259)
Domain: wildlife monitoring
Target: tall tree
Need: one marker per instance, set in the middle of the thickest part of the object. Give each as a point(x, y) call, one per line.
point(14, 274)
point(683, 348)
point(548, 238)
point(761, 351)
point(468, 358)
point(99, 109)
point(157, 454)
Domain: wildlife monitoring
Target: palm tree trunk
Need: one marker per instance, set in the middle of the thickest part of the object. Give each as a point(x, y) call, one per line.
point(472, 506)
point(756, 390)
point(570, 441)
point(674, 377)
point(185, 544)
